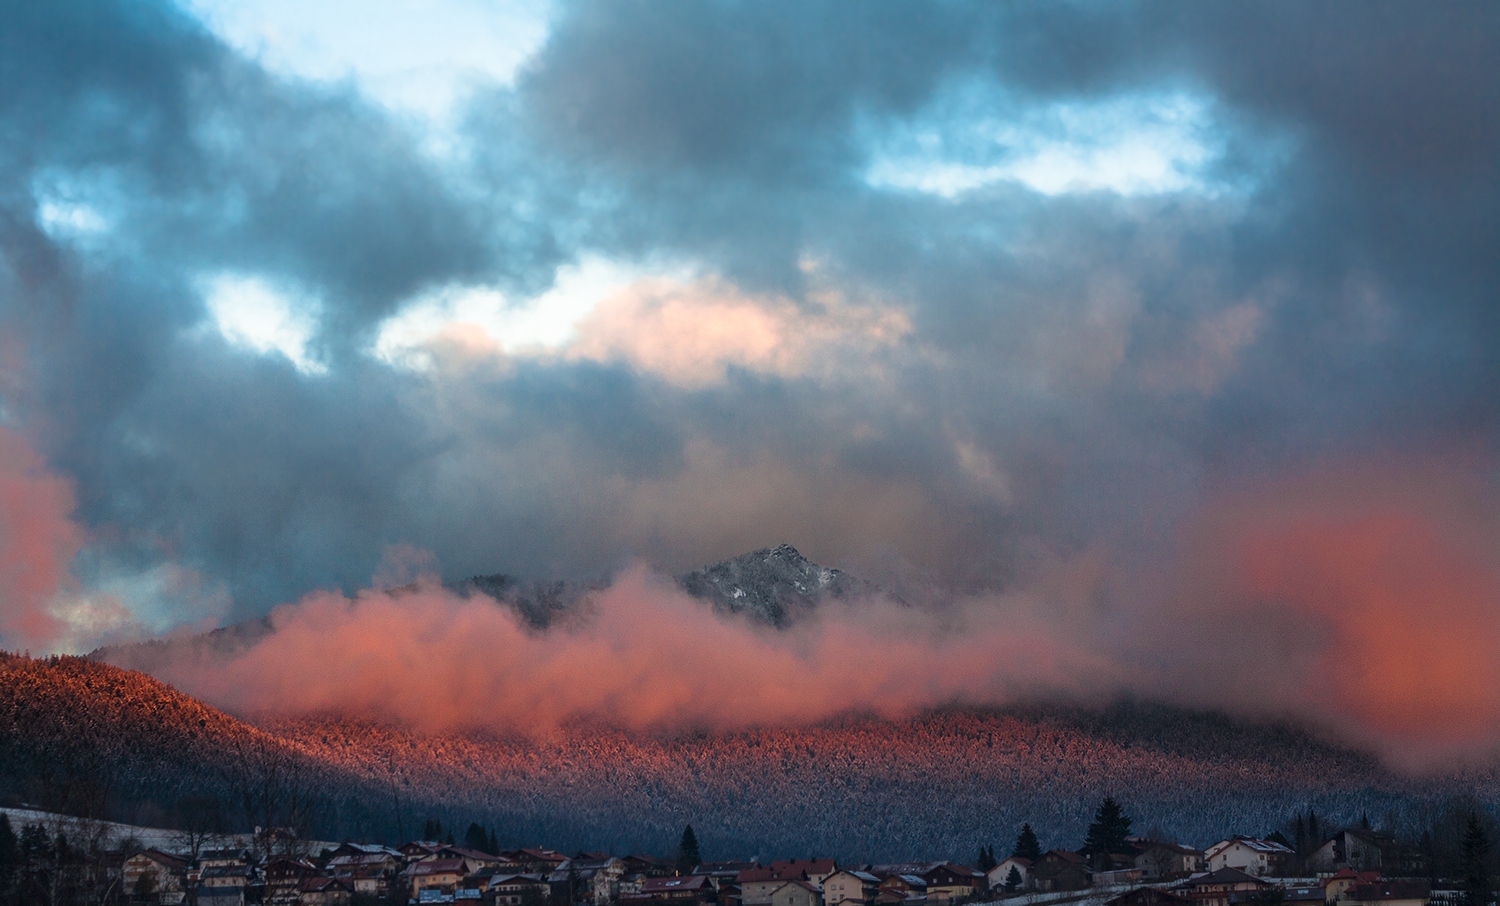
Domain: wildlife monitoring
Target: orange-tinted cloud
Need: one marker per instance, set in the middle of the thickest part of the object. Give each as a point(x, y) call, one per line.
point(647, 657)
point(1376, 591)
point(38, 541)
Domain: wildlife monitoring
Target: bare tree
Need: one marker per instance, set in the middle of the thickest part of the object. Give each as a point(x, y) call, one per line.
point(199, 821)
point(273, 788)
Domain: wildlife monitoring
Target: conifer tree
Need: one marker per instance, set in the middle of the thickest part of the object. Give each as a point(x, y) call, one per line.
point(1108, 831)
point(985, 860)
point(10, 857)
point(1013, 880)
point(1476, 860)
point(474, 837)
point(1027, 846)
point(688, 855)
point(494, 844)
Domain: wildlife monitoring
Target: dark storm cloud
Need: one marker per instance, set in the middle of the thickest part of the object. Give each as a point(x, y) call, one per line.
point(1078, 368)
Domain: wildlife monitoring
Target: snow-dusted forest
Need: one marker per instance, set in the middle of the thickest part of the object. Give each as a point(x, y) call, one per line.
point(80, 736)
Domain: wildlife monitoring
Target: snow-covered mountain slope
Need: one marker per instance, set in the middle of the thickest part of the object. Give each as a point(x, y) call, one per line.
point(77, 734)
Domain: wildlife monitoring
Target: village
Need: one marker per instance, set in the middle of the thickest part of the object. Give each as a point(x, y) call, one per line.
point(1353, 866)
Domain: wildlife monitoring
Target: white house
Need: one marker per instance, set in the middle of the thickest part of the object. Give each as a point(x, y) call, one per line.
point(1000, 873)
point(1254, 857)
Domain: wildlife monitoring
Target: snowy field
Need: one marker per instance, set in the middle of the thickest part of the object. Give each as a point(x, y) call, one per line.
point(112, 835)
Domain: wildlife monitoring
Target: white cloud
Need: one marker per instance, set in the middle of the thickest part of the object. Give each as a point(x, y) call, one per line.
point(679, 326)
point(252, 313)
point(415, 56)
point(485, 318)
point(1131, 145)
point(61, 218)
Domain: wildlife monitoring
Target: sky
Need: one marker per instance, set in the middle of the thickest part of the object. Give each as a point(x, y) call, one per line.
point(1177, 322)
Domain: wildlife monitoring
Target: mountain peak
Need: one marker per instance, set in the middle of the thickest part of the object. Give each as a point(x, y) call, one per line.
point(774, 585)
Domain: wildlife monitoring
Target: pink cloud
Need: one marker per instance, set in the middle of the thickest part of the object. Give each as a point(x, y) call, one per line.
point(38, 541)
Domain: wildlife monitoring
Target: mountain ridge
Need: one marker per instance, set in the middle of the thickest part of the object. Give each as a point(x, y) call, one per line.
point(928, 785)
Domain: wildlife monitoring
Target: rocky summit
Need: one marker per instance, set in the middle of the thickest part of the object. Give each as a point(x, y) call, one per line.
point(775, 585)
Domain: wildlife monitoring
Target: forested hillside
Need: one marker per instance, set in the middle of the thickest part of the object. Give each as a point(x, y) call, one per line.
point(89, 738)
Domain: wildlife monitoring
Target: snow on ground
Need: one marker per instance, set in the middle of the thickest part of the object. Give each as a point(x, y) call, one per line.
point(113, 835)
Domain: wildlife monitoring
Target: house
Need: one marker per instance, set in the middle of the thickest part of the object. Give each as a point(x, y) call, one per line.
point(681, 889)
point(227, 876)
point(652, 867)
point(284, 880)
point(1339, 882)
point(1219, 888)
point(222, 858)
point(1303, 896)
point(156, 873)
point(1390, 893)
point(902, 888)
point(1261, 858)
point(999, 876)
point(364, 849)
point(1118, 876)
point(517, 890)
point(479, 859)
point(719, 874)
point(1059, 870)
point(439, 874)
point(848, 886)
point(324, 891)
point(757, 884)
point(1148, 896)
point(797, 893)
point(1168, 861)
point(531, 861)
point(812, 871)
point(367, 872)
point(947, 881)
point(1352, 847)
point(588, 877)
point(604, 877)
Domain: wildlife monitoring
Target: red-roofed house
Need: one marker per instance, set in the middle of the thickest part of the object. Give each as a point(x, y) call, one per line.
point(1339, 883)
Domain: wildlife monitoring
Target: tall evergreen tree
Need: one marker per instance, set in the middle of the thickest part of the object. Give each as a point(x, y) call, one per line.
point(986, 859)
point(1108, 831)
point(475, 838)
point(1301, 836)
point(688, 855)
point(494, 844)
point(1315, 836)
point(10, 858)
point(1027, 846)
point(34, 878)
point(1476, 861)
